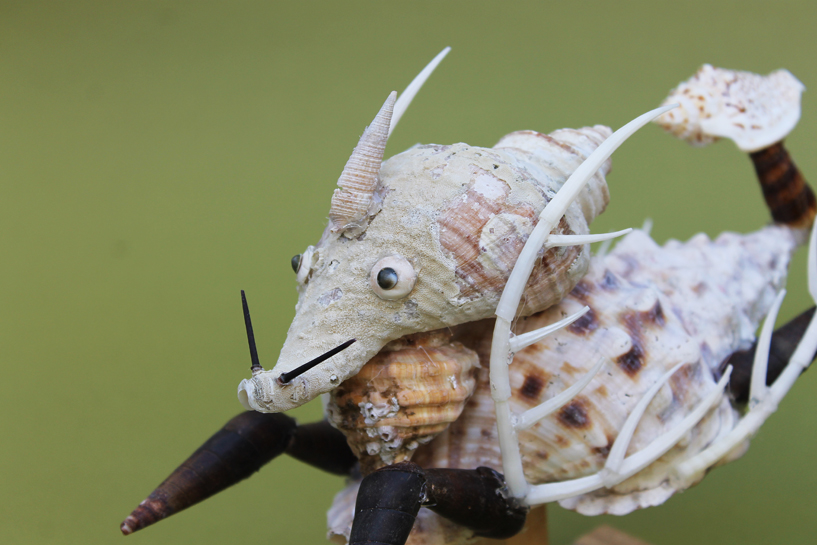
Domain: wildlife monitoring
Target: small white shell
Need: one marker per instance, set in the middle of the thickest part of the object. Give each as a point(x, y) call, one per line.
point(752, 110)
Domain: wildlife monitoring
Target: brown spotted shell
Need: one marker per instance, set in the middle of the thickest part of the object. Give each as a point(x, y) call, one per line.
point(407, 394)
point(651, 308)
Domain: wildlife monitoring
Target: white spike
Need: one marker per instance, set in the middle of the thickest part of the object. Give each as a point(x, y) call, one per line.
point(615, 458)
point(758, 389)
point(550, 492)
point(554, 241)
point(647, 226)
point(556, 208)
point(407, 96)
point(812, 263)
point(526, 339)
point(660, 446)
point(534, 415)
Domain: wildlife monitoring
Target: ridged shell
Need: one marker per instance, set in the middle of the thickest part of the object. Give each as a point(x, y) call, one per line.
point(407, 394)
point(651, 308)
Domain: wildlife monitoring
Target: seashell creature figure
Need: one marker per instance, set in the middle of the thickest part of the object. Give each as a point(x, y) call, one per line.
point(623, 403)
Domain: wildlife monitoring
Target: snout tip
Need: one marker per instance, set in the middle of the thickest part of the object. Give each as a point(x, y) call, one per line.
point(246, 395)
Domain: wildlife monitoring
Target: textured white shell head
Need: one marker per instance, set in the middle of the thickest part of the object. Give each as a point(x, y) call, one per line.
point(457, 217)
point(753, 111)
point(426, 192)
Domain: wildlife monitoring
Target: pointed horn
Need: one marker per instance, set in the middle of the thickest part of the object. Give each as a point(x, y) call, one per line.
point(351, 203)
point(405, 99)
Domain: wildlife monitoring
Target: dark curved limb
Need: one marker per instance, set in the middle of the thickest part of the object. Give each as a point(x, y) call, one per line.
point(389, 499)
point(323, 446)
point(784, 342)
point(236, 451)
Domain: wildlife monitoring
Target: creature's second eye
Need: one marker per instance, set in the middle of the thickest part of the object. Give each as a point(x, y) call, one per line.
point(392, 278)
point(296, 262)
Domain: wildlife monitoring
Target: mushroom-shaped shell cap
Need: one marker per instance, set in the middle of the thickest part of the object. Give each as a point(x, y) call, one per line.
point(752, 110)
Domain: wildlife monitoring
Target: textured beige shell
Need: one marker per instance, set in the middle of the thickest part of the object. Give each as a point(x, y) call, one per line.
point(354, 201)
point(460, 215)
point(752, 110)
point(412, 390)
point(651, 308)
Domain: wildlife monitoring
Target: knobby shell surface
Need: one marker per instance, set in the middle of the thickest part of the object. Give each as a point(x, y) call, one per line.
point(403, 397)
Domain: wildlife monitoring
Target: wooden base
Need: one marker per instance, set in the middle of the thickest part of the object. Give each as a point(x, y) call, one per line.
point(607, 535)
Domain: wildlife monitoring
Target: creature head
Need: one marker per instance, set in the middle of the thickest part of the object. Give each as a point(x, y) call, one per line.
point(424, 241)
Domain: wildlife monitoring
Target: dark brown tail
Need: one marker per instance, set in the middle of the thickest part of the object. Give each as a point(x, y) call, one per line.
point(787, 194)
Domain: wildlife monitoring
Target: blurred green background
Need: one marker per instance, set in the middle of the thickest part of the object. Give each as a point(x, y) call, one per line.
point(156, 157)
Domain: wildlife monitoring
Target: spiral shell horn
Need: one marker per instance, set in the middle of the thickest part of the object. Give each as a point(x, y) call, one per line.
point(355, 201)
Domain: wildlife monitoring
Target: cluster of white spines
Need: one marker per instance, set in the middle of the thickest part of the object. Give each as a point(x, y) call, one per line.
point(618, 467)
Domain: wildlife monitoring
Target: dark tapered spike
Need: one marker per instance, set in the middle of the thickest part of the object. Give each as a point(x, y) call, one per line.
point(256, 365)
point(784, 342)
point(235, 452)
point(286, 377)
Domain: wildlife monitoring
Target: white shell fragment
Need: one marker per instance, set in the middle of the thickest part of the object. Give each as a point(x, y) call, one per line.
point(752, 110)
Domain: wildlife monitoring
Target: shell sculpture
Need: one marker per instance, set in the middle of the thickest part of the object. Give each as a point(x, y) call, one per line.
point(413, 265)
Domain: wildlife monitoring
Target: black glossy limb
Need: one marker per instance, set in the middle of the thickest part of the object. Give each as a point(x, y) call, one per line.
point(784, 342)
point(390, 498)
point(236, 451)
point(322, 446)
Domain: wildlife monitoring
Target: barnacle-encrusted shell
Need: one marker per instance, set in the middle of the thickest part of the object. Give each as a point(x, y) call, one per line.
point(651, 308)
point(412, 390)
point(754, 111)
point(459, 215)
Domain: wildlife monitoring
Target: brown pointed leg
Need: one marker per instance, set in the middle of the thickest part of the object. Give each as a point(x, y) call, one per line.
point(784, 342)
point(788, 196)
point(389, 499)
point(236, 451)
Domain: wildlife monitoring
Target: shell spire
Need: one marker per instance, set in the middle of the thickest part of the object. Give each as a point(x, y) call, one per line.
point(352, 203)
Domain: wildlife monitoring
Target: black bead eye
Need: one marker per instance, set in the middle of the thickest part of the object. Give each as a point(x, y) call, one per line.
point(387, 278)
point(392, 278)
point(296, 262)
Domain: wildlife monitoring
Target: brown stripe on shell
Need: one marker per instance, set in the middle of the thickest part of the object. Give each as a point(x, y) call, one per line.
point(788, 196)
point(461, 225)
